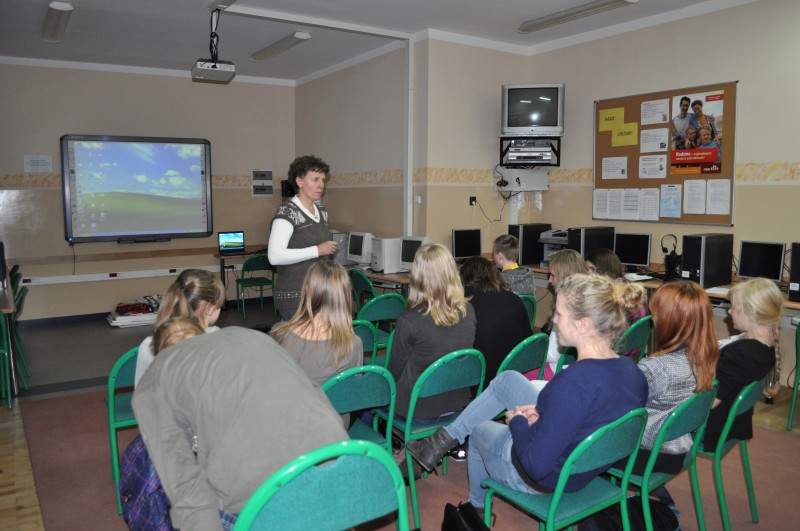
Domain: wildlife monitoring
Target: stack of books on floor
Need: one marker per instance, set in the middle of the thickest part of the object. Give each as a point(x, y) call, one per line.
point(124, 321)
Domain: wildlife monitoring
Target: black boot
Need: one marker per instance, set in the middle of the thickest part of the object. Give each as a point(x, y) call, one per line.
point(429, 451)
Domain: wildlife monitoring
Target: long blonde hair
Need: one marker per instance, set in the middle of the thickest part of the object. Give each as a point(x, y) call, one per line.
point(436, 287)
point(325, 310)
point(761, 301)
point(194, 292)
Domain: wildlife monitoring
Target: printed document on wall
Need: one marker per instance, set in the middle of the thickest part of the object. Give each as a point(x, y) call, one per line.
point(671, 201)
point(653, 167)
point(694, 197)
point(655, 112)
point(615, 168)
point(718, 197)
point(648, 204)
point(653, 140)
point(600, 204)
point(630, 204)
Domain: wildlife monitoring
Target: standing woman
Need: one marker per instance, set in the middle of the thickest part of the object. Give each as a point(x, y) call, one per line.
point(756, 309)
point(502, 321)
point(196, 294)
point(320, 335)
point(438, 321)
point(683, 364)
point(299, 234)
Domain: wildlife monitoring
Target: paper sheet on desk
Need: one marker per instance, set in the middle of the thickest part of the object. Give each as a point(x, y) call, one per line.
point(722, 292)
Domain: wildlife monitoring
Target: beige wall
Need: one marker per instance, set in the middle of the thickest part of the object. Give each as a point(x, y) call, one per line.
point(249, 126)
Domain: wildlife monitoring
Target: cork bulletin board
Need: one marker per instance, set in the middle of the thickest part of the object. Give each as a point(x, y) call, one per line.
point(659, 157)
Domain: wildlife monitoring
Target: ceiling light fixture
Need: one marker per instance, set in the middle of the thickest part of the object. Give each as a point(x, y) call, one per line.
point(55, 23)
point(280, 46)
point(574, 13)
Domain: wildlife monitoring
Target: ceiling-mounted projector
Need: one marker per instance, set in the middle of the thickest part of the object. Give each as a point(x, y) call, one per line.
point(213, 71)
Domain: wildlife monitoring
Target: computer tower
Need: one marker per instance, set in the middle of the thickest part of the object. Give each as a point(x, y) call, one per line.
point(386, 255)
point(707, 259)
point(531, 252)
point(794, 273)
point(588, 239)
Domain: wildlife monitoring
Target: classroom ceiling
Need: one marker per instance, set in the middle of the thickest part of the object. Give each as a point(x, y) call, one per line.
point(173, 34)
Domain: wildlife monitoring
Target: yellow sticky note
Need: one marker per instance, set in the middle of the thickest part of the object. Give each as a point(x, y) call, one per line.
point(625, 135)
point(610, 119)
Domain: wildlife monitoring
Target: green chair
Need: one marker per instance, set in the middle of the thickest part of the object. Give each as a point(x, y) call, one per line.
point(16, 279)
point(19, 302)
point(383, 309)
point(607, 445)
point(369, 338)
point(530, 354)
point(120, 410)
point(461, 369)
point(796, 378)
point(250, 279)
point(688, 418)
point(5, 363)
point(363, 290)
point(568, 355)
point(530, 306)
point(357, 482)
point(364, 388)
point(635, 338)
point(744, 402)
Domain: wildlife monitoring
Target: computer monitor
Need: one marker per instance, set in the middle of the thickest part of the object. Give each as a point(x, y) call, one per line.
point(359, 249)
point(762, 259)
point(409, 245)
point(466, 243)
point(632, 249)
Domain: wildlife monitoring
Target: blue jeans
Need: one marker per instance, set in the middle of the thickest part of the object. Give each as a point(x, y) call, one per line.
point(490, 442)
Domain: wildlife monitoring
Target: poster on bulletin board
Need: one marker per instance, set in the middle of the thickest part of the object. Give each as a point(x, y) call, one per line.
point(666, 156)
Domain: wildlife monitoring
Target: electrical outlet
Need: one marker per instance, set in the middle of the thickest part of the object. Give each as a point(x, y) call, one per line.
point(473, 200)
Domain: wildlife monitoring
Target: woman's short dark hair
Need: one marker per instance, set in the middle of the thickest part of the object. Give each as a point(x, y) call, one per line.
point(697, 102)
point(302, 165)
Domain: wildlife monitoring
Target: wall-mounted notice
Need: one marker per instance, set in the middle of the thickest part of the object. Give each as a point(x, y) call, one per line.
point(674, 148)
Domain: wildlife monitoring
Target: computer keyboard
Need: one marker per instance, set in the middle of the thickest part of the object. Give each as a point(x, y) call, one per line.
point(636, 277)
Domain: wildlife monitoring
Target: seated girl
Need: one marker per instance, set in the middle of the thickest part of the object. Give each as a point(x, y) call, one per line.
point(502, 321)
point(320, 335)
point(439, 320)
point(544, 427)
point(756, 309)
point(197, 294)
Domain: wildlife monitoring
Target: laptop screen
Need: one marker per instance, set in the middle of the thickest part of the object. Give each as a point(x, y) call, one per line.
point(231, 242)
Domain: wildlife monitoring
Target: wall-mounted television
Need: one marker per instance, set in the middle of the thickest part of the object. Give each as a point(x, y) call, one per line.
point(533, 110)
point(409, 245)
point(761, 259)
point(135, 189)
point(359, 248)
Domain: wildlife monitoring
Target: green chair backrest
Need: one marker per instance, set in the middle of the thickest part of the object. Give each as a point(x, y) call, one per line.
point(531, 353)
point(456, 370)
point(16, 278)
point(386, 307)
point(744, 402)
point(529, 301)
point(123, 373)
point(363, 290)
point(259, 262)
point(607, 445)
point(689, 417)
point(369, 337)
point(636, 336)
point(303, 495)
point(14, 270)
point(568, 355)
point(19, 302)
point(358, 388)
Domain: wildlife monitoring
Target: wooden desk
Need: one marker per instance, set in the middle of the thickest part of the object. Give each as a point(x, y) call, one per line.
point(399, 280)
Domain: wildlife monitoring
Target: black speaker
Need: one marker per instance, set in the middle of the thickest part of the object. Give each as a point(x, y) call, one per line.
point(794, 273)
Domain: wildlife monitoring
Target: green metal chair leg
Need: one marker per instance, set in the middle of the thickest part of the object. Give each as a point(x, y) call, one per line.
point(721, 499)
point(698, 501)
point(794, 400)
point(748, 479)
point(412, 487)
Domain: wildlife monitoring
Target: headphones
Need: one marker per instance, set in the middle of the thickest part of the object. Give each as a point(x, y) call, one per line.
point(674, 243)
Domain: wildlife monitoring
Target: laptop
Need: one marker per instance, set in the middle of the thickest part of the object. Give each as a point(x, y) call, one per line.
point(231, 243)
